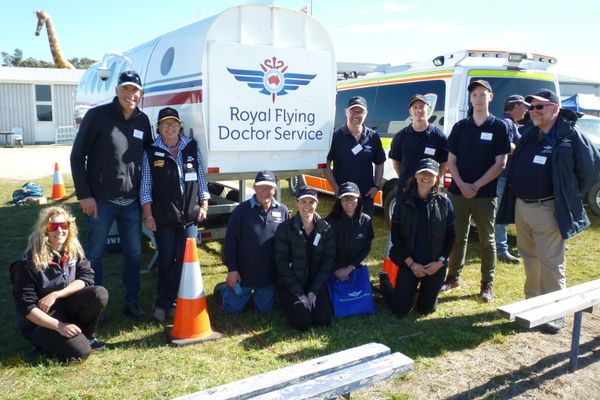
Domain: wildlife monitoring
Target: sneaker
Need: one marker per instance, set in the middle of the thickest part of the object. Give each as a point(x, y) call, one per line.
point(554, 327)
point(134, 311)
point(508, 258)
point(487, 292)
point(97, 345)
point(450, 284)
point(217, 290)
point(159, 314)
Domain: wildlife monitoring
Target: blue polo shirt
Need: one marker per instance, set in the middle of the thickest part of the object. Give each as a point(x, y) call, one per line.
point(352, 163)
point(513, 136)
point(532, 169)
point(410, 146)
point(476, 148)
point(249, 242)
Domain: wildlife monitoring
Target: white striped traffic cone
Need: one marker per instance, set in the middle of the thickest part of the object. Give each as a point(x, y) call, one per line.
point(58, 186)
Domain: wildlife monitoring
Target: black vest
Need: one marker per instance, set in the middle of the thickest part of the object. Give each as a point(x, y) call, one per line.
point(170, 207)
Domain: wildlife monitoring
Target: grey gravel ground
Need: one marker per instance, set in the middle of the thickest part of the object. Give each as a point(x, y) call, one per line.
point(33, 162)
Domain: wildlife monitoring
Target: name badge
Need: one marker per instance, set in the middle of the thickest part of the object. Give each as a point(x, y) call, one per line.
point(356, 149)
point(138, 134)
point(487, 136)
point(429, 151)
point(190, 176)
point(317, 239)
point(539, 160)
point(276, 214)
point(159, 154)
point(159, 163)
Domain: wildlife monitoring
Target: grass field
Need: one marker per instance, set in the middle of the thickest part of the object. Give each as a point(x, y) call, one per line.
point(138, 363)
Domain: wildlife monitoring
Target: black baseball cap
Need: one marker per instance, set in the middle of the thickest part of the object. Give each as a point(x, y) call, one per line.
point(348, 189)
point(417, 97)
point(429, 165)
point(479, 82)
point(168, 113)
point(544, 95)
point(130, 78)
point(515, 98)
point(306, 191)
point(265, 178)
point(357, 101)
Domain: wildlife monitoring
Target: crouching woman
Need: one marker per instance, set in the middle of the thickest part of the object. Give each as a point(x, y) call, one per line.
point(422, 238)
point(57, 304)
point(304, 257)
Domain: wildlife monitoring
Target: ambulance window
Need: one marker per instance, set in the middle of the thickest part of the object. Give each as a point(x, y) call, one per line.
point(341, 102)
point(390, 113)
point(167, 61)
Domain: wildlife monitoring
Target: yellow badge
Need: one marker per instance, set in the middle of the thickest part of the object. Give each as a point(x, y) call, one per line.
point(159, 163)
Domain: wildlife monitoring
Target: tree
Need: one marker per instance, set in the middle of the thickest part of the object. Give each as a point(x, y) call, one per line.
point(16, 60)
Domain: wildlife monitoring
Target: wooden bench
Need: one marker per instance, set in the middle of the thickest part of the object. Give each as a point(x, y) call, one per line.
point(548, 307)
point(327, 377)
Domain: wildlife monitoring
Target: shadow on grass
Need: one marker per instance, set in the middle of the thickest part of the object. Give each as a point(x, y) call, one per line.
point(518, 382)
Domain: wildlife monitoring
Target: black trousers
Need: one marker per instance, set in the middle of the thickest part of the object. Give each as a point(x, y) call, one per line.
point(83, 309)
point(301, 318)
point(400, 300)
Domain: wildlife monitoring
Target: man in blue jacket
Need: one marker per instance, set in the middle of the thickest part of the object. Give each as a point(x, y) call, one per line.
point(552, 165)
point(106, 164)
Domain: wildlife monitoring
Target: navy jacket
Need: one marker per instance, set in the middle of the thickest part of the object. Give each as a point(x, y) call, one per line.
point(575, 168)
point(106, 157)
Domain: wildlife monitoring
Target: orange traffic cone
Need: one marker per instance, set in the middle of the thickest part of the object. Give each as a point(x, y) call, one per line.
point(191, 323)
point(58, 186)
point(388, 265)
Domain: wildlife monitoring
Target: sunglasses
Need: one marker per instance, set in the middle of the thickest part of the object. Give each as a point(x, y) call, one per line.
point(53, 226)
point(170, 124)
point(539, 106)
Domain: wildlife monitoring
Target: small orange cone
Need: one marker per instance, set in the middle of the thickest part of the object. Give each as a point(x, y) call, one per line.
point(58, 186)
point(388, 265)
point(191, 323)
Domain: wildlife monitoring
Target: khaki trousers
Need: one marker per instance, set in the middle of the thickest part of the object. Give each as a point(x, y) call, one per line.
point(542, 247)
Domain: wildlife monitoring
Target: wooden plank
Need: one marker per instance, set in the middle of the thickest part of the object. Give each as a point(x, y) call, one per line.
point(511, 310)
point(552, 311)
point(345, 381)
point(259, 384)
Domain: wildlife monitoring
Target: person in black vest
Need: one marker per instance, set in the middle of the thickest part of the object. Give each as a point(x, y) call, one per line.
point(422, 238)
point(174, 197)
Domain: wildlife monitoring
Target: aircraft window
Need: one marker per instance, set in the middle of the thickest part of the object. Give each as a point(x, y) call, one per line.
point(167, 61)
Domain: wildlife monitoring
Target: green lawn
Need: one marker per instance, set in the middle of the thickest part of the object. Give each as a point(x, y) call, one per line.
point(138, 363)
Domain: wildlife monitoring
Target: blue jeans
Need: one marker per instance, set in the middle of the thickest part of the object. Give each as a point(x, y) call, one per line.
point(170, 243)
point(129, 223)
point(500, 229)
point(264, 299)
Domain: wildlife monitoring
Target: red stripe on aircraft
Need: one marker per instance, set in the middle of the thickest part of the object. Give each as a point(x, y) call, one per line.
point(171, 99)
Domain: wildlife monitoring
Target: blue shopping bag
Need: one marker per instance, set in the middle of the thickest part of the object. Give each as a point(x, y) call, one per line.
point(352, 297)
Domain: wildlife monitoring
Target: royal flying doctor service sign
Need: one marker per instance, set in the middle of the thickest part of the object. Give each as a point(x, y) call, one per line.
point(265, 98)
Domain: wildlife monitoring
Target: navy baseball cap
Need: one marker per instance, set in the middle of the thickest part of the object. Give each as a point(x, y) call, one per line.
point(429, 165)
point(515, 98)
point(479, 82)
point(348, 189)
point(168, 113)
point(544, 95)
point(265, 178)
point(130, 78)
point(417, 97)
point(306, 191)
point(357, 101)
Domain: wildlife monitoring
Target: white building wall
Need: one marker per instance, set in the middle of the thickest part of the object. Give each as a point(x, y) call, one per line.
point(17, 110)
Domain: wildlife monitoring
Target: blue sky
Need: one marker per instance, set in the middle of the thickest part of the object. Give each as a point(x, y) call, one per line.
point(379, 31)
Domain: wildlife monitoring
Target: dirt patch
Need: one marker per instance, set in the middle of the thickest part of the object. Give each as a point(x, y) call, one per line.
point(527, 365)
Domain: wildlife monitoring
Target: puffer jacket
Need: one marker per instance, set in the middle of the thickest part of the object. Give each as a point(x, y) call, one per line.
point(575, 168)
point(291, 256)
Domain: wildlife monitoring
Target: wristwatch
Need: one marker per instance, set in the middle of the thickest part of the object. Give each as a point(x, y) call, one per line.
point(442, 259)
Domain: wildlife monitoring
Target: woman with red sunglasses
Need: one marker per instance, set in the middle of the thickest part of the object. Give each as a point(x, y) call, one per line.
point(57, 304)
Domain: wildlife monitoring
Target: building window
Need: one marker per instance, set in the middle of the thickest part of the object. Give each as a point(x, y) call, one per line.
point(43, 103)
